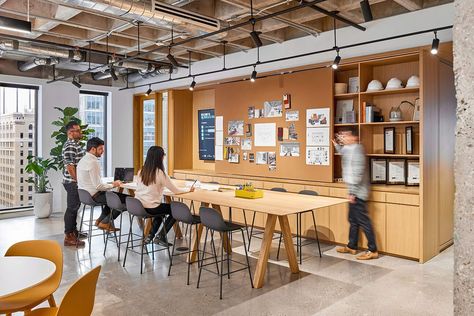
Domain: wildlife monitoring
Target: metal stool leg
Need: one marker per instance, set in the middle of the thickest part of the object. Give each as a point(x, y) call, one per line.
point(251, 229)
point(222, 268)
point(130, 231)
point(214, 250)
point(166, 239)
point(299, 234)
point(279, 246)
point(141, 253)
point(172, 254)
point(202, 258)
point(246, 226)
point(91, 217)
point(120, 236)
point(189, 253)
point(228, 258)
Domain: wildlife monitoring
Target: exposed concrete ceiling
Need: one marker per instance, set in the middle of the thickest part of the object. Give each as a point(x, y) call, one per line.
point(111, 24)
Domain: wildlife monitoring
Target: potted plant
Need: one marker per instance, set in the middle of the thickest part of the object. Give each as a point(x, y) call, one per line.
point(68, 114)
point(43, 196)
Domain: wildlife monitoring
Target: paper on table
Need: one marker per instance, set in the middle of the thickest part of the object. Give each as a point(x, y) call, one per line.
point(219, 153)
point(219, 123)
point(265, 134)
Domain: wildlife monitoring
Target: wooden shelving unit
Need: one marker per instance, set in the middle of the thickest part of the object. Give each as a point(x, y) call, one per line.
point(410, 225)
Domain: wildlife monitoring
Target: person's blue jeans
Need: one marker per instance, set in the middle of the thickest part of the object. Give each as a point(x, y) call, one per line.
point(359, 217)
point(162, 209)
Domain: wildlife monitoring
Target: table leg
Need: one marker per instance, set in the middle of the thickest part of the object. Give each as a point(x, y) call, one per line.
point(290, 249)
point(264, 251)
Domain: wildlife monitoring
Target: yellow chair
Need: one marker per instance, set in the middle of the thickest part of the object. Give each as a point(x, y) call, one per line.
point(30, 298)
point(78, 300)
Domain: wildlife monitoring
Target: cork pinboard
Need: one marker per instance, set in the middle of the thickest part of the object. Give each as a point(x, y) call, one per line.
point(309, 89)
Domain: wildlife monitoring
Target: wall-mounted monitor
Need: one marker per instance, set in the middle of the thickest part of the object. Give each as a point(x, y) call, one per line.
point(207, 128)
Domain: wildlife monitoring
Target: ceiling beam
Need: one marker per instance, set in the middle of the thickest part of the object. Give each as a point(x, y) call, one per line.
point(410, 5)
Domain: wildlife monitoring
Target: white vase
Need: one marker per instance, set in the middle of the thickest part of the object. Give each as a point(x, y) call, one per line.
point(43, 204)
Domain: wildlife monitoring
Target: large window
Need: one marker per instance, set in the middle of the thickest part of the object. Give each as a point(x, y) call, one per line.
point(93, 112)
point(149, 124)
point(17, 141)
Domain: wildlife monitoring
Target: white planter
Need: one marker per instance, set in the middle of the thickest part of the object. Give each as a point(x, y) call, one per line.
point(43, 204)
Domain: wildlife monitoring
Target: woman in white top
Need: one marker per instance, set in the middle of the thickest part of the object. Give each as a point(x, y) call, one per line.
point(151, 182)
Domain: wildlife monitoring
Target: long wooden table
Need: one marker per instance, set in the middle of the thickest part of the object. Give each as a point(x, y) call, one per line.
point(276, 205)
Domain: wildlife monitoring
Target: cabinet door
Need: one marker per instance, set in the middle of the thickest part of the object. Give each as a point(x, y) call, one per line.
point(403, 230)
point(322, 223)
point(377, 214)
point(339, 223)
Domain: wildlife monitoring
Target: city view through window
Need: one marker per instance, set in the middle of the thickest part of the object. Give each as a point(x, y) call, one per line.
point(17, 142)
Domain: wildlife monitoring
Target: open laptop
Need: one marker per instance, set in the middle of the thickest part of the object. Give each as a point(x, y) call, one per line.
point(124, 174)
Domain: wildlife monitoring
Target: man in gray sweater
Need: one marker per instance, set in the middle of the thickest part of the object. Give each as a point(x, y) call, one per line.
point(356, 177)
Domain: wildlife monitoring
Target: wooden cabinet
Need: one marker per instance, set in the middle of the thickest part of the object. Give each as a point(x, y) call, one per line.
point(378, 215)
point(403, 230)
point(339, 223)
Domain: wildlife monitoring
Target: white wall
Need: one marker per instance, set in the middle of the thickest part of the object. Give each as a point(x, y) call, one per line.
point(119, 142)
point(401, 24)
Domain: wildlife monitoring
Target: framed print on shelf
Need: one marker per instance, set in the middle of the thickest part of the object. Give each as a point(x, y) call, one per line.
point(413, 173)
point(396, 171)
point(409, 140)
point(389, 140)
point(378, 170)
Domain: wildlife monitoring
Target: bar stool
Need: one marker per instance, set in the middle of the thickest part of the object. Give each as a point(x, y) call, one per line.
point(86, 199)
point(299, 233)
point(114, 203)
point(213, 221)
point(136, 209)
point(252, 234)
point(182, 214)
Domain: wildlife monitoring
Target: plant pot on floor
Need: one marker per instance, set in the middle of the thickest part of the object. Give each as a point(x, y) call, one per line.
point(43, 204)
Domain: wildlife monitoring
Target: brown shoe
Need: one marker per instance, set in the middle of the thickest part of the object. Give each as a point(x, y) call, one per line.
point(108, 227)
point(71, 240)
point(368, 255)
point(97, 222)
point(346, 250)
point(80, 235)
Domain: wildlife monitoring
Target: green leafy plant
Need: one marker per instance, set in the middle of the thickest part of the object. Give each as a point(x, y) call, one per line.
point(39, 167)
point(68, 114)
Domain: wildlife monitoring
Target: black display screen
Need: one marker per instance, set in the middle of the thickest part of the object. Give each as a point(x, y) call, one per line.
point(207, 131)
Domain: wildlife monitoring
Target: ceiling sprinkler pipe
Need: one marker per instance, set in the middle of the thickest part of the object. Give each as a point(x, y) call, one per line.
point(35, 62)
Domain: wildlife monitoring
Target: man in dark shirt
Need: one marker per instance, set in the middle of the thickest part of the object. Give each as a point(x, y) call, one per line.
point(72, 152)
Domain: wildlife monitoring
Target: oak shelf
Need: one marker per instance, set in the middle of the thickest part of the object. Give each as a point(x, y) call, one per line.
point(392, 91)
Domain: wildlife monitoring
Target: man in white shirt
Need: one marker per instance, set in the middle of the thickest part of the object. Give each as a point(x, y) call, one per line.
point(89, 179)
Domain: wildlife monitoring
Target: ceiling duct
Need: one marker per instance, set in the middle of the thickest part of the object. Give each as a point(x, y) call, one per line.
point(137, 76)
point(102, 75)
point(35, 62)
point(38, 51)
point(158, 13)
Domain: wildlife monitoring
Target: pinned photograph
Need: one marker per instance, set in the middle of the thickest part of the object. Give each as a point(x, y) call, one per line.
point(290, 149)
point(248, 130)
point(317, 156)
point(317, 136)
point(292, 116)
point(272, 161)
point(273, 108)
point(251, 112)
point(235, 128)
point(244, 156)
point(232, 141)
point(292, 134)
point(262, 157)
point(247, 144)
point(234, 158)
point(317, 117)
point(251, 157)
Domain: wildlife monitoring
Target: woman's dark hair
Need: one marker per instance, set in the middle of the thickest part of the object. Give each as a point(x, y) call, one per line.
point(153, 162)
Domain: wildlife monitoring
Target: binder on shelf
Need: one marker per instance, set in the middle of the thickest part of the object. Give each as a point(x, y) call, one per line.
point(362, 114)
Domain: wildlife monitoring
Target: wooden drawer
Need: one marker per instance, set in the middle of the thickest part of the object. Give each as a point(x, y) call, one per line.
point(378, 216)
point(221, 180)
point(403, 230)
point(402, 198)
point(295, 188)
point(269, 185)
point(192, 177)
point(376, 196)
point(321, 190)
point(235, 181)
point(179, 176)
point(205, 178)
point(338, 192)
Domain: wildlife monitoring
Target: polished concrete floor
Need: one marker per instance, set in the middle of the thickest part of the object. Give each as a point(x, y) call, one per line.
point(332, 285)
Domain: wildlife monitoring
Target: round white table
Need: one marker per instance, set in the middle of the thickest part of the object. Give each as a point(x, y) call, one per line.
point(20, 273)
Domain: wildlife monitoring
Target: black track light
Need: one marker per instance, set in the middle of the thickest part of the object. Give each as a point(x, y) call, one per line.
point(192, 85)
point(337, 60)
point(253, 77)
point(172, 60)
point(256, 39)
point(76, 83)
point(113, 74)
point(366, 11)
point(149, 91)
point(435, 45)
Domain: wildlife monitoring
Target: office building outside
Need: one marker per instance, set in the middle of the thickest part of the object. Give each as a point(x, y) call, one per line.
point(16, 144)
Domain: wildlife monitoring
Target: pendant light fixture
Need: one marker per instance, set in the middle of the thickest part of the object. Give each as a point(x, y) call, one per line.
point(435, 44)
point(170, 57)
point(254, 34)
point(192, 85)
point(337, 60)
point(75, 82)
point(149, 91)
point(253, 77)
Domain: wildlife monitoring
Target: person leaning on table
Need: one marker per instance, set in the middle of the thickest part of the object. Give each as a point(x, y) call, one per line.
point(89, 179)
point(355, 175)
point(151, 182)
